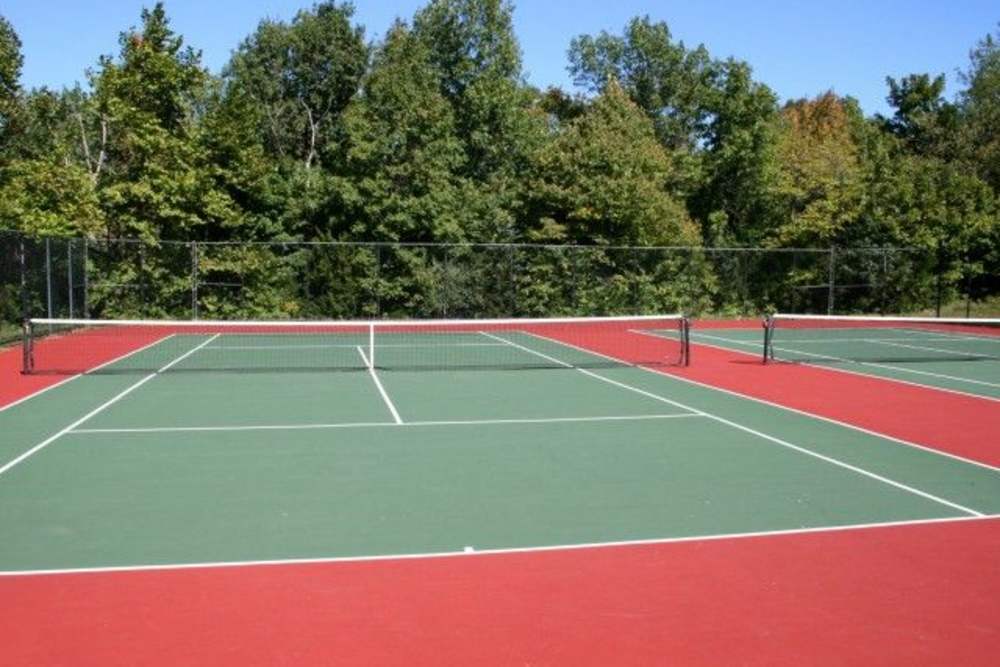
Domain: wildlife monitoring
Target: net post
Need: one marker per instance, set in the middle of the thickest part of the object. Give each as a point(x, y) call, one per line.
point(768, 338)
point(371, 345)
point(48, 277)
point(194, 280)
point(832, 281)
point(685, 340)
point(69, 274)
point(86, 280)
point(27, 353)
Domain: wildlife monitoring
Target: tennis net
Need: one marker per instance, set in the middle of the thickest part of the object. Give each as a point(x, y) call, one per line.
point(72, 346)
point(824, 339)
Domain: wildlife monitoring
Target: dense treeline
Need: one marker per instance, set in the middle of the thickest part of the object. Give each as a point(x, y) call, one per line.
point(315, 131)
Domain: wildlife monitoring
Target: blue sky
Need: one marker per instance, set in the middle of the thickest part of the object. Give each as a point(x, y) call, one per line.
point(799, 48)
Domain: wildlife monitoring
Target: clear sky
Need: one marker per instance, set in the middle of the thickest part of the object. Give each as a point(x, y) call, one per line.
point(798, 47)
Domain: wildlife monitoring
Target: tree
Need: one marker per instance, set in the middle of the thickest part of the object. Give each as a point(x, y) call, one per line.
point(11, 61)
point(49, 197)
point(602, 181)
point(403, 156)
point(301, 75)
point(733, 197)
point(820, 170)
point(922, 117)
point(156, 182)
point(668, 81)
point(980, 109)
point(476, 57)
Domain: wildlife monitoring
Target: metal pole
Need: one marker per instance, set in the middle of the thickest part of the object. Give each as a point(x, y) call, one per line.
point(968, 287)
point(832, 281)
point(86, 282)
point(48, 277)
point(25, 321)
point(378, 281)
point(194, 280)
point(939, 270)
point(69, 274)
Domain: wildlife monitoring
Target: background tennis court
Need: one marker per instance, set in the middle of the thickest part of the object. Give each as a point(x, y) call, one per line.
point(133, 469)
point(964, 359)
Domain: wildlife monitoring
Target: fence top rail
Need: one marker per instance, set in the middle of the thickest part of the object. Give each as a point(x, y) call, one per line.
point(470, 245)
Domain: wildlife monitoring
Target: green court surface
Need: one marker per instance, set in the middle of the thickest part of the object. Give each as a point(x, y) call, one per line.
point(957, 362)
point(181, 467)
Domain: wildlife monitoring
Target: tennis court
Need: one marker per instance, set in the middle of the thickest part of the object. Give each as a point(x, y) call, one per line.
point(955, 355)
point(247, 445)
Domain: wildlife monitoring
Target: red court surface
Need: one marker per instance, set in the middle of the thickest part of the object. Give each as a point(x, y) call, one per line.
point(926, 594)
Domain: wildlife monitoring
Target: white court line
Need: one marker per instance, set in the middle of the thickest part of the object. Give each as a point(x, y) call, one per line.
point(45, 443)
point(378, 385)
point(95, 368)
point(942, 350)
point(829, 420)
point(362, 425)
point(754, 432)
point(480, 553)
point(348, 346)
point(873, 364)
point(835, 369)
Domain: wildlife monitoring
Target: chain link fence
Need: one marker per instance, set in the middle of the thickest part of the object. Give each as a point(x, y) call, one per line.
point(128, 278)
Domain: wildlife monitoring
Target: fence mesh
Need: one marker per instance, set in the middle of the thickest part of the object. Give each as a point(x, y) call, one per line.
point(127, 278)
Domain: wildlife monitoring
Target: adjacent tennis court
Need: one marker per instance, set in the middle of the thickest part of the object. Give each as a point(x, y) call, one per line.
point(955, 355)
point(196, 444)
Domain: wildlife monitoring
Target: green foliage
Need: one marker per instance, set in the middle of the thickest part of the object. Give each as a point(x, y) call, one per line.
point(312, 139)
point(980, 106)
point(602, 181)
point(403, 156)
point(669, 81)
point(300, 77)
point(44, 197)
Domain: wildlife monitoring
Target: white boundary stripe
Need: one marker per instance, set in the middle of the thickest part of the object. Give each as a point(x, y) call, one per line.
point(95, 368)
point(757, 346)
point(969, 321)
point(765, 436)
point(381, 389)
point(811, 415)
point(714, 537)
point(874, 364)
point(361, 425)
point(957, 353)
point(348, 346)
point(48, 441)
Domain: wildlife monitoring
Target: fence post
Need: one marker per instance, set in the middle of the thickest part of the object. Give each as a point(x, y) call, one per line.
point(832, 281)
point(69, 274)
point(378, 280)
point(939, 269)
point(48, 277)
point(968, 286)
point(86, 280)
point(194, 280)
point(23, 261)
